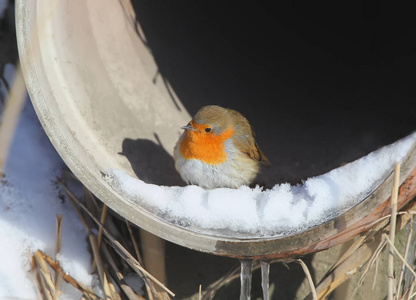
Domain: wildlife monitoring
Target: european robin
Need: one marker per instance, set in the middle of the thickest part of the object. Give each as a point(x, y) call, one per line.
point(218, 149)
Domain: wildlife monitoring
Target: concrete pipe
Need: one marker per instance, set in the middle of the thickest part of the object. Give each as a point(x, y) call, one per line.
point(113, 81)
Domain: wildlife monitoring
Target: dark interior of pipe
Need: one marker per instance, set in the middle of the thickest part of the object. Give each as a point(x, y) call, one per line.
point(322, 83)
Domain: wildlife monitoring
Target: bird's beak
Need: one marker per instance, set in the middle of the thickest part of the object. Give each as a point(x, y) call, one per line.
point(188, 127)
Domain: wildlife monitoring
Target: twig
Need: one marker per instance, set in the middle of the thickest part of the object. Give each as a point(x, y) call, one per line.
point(377, 261)
point(100, 232)
point(410, 256)
point(347, 268)
point(102, 220)
point(58, 244)
point(100, 267)
point(134, 241)
point(390, 267)
point(373, 258)
point(113, 293)
point(139, 258)
point(45, 282)
point(92, 239)
point(410, 292)
point(89, 197)
point(72, 199)
point(406, 251)
point(90, 294)
point(399, 255)
point(369, 250)
point(407, 212)
point(75, 202)
point(116, 245)
point(41, 286)
point(360, 256)
point(359, 241)
point(131, 295)
point(45, 272)
point(308, 275)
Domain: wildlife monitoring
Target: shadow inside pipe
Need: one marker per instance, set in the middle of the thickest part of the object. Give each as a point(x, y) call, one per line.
point(151, 162)
point(322, 84)
point(319, 90)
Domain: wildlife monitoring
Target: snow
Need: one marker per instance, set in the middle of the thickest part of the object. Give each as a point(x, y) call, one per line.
point(253, 212)
point(30, 199)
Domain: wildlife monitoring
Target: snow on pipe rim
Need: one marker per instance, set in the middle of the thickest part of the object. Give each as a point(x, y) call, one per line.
point(49, 87)
point(284, 210)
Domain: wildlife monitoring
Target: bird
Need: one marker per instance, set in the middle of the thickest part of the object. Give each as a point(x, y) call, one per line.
point(218, 150)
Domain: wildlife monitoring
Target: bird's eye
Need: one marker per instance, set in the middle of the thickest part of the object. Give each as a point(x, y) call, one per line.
point(208, 129)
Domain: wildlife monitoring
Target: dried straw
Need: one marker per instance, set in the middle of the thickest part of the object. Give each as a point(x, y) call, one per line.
point(124, 254)
point(58, 244)
point(87, 293)
point(393, 204)
point(309, 277)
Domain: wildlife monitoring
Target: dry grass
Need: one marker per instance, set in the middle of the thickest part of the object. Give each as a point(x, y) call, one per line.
point(366, 250)
point(112, 260)
point(309, 277)
point(58, 246)
point(117, 246)
point(393, 216)
point(40, 261)
point(113, 257)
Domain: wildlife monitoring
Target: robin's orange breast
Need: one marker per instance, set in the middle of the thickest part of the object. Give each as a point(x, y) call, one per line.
point(206, 147)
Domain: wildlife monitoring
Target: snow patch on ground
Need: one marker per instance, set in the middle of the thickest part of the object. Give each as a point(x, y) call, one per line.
point(30, 199)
